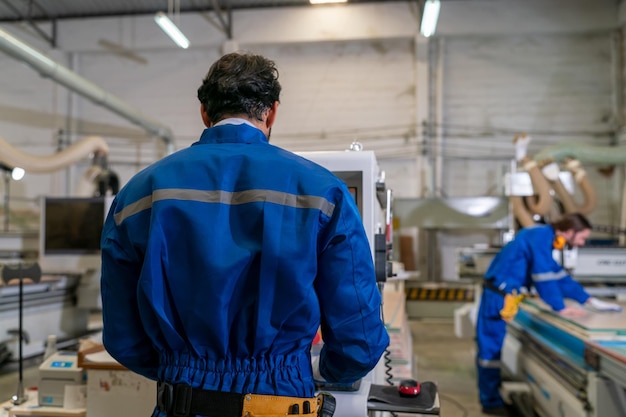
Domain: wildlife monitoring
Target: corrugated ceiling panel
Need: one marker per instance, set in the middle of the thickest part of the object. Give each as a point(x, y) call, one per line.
point(40, 9)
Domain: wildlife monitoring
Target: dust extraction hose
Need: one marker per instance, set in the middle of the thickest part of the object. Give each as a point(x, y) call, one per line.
point(13, 157)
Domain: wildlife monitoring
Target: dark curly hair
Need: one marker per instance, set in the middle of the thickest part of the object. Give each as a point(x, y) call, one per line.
point(239, 83)
point(572, 221)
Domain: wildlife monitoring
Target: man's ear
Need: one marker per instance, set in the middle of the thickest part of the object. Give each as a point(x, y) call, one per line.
point(205, 116)
point(271, 115)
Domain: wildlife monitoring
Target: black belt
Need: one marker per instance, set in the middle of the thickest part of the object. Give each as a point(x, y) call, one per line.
point(182, 400)
point(488, 284)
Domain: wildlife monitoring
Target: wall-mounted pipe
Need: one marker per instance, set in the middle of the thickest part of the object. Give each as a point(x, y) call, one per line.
point(587, 154)
point(64, 76)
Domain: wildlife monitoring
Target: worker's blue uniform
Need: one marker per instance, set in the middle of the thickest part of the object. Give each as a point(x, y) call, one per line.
point(524, 262)
point(220, 262)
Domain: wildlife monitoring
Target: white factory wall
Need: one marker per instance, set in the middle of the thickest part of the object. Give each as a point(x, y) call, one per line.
point(558, 88)
point(349, 72)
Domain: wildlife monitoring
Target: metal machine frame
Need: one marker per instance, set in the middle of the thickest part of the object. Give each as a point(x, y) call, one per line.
point(569, 372)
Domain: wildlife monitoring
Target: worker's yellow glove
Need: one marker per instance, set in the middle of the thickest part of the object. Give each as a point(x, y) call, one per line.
point(511, 306)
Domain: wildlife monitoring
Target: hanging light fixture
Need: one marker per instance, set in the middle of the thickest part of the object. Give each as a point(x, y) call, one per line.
point(169, 27)
point(17, 173)
point(429, 17)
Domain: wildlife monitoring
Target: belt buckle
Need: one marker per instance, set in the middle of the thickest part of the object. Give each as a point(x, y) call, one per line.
point(165, 396)
point(182, 400)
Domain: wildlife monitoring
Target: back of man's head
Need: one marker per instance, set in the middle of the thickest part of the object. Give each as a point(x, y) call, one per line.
point(240, 84)
point(572, 221)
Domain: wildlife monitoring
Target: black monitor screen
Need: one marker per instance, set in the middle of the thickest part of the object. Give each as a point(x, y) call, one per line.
point(72, 225)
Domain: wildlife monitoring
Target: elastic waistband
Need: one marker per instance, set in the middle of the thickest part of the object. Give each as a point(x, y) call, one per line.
point(173, 362)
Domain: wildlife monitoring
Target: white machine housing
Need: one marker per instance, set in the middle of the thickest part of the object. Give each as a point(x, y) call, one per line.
point(59, 370)
point(357, 169)
point(360, 171)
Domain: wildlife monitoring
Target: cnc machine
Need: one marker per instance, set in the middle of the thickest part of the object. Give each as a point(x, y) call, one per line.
point(359, 170)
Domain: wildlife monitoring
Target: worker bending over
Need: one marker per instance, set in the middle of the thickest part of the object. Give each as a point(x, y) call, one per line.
point(526, 262)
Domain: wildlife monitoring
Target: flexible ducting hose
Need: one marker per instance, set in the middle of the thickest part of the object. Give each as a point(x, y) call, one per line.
point(13, 157)
point(581, 178)
point(542, 203)
point(590, 196)
point(566, 199)
point(520, 211)
point(602, 155)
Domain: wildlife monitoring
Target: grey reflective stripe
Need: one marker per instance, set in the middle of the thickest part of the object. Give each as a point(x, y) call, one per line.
point(484, 363)
point(549, 276)
point(227, 197)
point(139, 205)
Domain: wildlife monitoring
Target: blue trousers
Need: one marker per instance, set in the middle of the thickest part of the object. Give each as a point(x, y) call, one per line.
point(490, 332)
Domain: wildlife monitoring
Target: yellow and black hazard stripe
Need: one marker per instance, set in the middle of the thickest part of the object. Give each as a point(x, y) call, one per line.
point(440, 294)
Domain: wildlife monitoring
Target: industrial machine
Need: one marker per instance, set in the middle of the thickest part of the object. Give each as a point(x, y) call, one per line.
point(564, 366)
point(67, 250)
point(570, 366)
point(599, 268)
point(57, 371)
point(359, 170)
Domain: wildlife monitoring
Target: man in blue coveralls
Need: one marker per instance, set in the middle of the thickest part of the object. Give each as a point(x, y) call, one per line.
point(220, 262)
point(524, 262)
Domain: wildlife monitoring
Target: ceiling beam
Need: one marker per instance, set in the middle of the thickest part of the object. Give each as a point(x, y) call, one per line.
point(227, 24)
point(51, 39)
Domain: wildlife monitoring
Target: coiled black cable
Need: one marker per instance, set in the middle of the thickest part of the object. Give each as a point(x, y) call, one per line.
point(388, 367)
point(387, 355)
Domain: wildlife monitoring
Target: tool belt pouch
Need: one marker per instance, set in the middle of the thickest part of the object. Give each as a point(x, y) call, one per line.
point(255, 405)
point(181, 400)
point(325, 404)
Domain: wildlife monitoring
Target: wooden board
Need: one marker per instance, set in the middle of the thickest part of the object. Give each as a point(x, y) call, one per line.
point(92, 355)
point(592, 323)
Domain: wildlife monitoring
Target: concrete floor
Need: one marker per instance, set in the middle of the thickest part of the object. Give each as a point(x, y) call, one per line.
point(441, 357)
point(448, 361)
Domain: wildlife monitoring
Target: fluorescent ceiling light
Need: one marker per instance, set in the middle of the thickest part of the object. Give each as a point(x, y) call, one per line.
point(171, 30)
point(327, 1)
point(429, 17)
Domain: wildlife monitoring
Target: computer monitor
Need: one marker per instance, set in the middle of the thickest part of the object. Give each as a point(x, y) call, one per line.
point(70, 231)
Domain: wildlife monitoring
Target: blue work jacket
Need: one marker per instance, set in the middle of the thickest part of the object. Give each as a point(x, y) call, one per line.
point(527, 261)
point(220, 262)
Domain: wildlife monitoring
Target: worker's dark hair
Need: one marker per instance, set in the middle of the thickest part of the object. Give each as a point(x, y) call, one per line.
point(572, 221)
point(239, 83)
